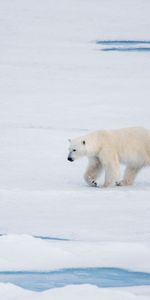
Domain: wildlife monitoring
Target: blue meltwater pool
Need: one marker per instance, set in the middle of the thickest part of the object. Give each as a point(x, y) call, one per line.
point(101, 277)
point(124, 45)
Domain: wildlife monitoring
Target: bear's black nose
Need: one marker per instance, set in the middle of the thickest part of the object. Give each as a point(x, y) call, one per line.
point(70, 159)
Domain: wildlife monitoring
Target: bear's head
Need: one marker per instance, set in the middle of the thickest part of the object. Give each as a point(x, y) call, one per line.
point(77, 149)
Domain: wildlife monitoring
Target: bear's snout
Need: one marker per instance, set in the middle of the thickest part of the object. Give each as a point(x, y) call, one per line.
point(70, 159)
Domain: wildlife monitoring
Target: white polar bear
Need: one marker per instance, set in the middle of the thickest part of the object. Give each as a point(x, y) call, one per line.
point(105, 150)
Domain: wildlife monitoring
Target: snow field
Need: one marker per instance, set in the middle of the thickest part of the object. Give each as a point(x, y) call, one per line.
point(55, 84)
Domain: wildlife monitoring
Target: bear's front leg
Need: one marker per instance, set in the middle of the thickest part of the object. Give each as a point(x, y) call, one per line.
point(90, 181)
point(111, 174)
point(93, 171)
point(129, 176)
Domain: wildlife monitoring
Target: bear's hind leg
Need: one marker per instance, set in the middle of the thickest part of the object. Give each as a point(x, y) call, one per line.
point(129, 176)
point(93, 171)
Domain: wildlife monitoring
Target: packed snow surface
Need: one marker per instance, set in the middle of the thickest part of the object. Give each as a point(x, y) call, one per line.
point(56, 84)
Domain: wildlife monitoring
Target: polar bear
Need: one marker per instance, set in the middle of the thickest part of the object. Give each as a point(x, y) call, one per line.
point(107, 149)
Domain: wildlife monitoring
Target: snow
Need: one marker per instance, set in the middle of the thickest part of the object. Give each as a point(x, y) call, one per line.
point(80, 213)
point(56, 84)
point(74, 292)
point(18, 253)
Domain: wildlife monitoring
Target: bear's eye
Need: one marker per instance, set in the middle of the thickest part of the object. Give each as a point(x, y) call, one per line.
point(74, 150)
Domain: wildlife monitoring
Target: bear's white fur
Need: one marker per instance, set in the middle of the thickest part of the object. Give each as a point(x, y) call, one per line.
point(105, 150)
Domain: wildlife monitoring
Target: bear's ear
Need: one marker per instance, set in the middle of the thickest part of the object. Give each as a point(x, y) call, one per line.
point(83, 142)
point(69, 140)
